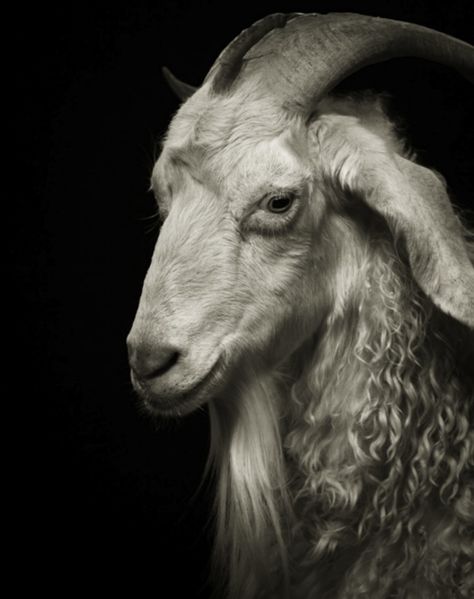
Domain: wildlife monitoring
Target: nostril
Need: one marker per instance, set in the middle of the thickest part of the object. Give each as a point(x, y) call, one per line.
point(150, 361)
point(167, 364)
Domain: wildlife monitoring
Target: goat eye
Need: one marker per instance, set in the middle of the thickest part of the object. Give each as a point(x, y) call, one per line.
point(280, 203)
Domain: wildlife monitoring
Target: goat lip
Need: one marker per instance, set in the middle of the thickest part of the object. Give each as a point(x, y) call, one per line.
point(185, 402)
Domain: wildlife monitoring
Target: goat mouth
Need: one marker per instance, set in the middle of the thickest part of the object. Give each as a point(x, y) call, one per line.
point(186, 402)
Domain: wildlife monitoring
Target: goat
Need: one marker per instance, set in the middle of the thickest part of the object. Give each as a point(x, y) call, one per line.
point(314, 286)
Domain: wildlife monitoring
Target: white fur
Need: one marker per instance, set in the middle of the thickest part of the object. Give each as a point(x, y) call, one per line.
point(227, 282)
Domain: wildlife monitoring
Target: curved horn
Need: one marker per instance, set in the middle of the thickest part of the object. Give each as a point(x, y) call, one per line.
point(302, 57)
point(181, 89)
point(226, 68)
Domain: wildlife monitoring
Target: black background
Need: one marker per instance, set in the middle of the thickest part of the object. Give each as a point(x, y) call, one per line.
point(110, 497)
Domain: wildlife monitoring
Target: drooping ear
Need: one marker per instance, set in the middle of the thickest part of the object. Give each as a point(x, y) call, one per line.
point(181, 89)
point(414, 203)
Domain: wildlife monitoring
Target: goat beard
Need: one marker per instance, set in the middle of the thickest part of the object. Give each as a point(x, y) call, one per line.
point(361, 469)
point(247, 454)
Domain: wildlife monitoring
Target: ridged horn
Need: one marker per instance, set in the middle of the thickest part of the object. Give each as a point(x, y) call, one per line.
point(301, 58)
point(226, 68)
point(181, 89)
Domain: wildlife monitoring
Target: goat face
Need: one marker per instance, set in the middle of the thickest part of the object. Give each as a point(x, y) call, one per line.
point(242, 263)
point(228, 277)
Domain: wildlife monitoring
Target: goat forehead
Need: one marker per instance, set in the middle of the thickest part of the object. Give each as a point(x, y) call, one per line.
point(232, 145)
point(201, 120)
point(215, 121)
point(259, 166)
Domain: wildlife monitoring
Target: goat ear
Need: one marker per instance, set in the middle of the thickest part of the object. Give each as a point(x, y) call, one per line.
point(181, 89)
point(414, 202)
point(416, 207)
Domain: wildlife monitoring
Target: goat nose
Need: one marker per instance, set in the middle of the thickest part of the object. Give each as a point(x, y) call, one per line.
point(150, 361)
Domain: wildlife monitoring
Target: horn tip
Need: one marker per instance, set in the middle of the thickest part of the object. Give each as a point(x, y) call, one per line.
point(181, 89)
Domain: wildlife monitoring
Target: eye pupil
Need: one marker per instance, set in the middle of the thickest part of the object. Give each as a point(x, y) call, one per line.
point(279, 203)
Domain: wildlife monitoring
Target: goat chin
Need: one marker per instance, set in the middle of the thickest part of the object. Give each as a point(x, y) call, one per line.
point(349, 476)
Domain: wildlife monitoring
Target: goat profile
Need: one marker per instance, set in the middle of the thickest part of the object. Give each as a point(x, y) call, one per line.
point(313, 285)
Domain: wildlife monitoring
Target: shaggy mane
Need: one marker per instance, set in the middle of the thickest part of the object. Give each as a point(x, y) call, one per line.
point(348, 472)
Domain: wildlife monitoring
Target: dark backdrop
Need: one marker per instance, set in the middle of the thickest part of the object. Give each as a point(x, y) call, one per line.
point(110, 496)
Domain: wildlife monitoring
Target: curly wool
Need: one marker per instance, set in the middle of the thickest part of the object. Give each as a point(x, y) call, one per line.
point(383, 446)
point(355, 480)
